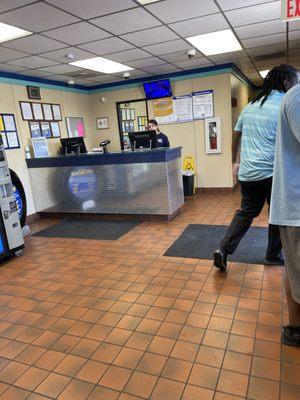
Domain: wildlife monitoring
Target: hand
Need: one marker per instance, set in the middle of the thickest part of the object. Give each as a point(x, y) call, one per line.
point(235, 169)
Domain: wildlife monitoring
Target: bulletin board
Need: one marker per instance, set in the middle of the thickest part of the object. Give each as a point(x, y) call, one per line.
point(9, 131)
point(75, 127)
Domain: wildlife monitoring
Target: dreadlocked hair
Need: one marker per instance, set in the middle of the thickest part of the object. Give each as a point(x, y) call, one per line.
point(275, 81)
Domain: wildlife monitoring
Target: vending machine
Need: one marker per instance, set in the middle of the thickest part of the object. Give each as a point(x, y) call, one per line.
point(11, 238)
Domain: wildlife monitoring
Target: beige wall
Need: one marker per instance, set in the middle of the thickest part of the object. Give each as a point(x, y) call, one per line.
point(213, 170)
point(72, 104)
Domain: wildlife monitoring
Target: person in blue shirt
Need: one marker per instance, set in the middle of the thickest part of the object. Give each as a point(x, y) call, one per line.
point(254, 135)
point(162, 139)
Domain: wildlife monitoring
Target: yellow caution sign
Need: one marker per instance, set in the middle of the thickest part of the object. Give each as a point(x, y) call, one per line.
point(189, 164)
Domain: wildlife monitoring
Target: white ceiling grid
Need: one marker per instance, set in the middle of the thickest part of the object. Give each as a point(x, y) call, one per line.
point(149, 38)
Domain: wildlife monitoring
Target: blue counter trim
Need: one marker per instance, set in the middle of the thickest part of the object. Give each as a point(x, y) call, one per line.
point(154, 156)
point(24, 80)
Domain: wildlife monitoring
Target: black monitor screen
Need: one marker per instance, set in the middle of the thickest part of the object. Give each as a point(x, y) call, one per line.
point(158, 89)
point(143, 139)
point(74, 145)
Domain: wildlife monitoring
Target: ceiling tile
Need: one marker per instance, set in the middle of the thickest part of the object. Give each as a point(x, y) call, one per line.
point(84, 82)
point(295, 45)
point(106, 46)
point(254, 14)
point(101, 78)
point(168, 47)
point(294, 35)
point(244, 62)
point(10, 68)
point(193, 63)
point(133, 74)
point(37, 17)
point(61, 55)
point(126, 21)
point(33, 62)
point(60, 69)
point(263, 40)
point(81, 32)
point(267, 50)
point(177, 10)
point(92, 8)
point(232, 4)
point(162, 69)
point(8, 54)
point(263, 28)
point(34, 44)
point(81, 73)
point(198, 26)
point(146, 62)
point(178, 56)
point(35, 73)
point(60, 78)
point(6, 5)
point(128, 55)
point(228, 57)
point(150, 36)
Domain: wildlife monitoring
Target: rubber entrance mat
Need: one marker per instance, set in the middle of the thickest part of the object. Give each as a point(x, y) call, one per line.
point(200, 241)
point(88, 229)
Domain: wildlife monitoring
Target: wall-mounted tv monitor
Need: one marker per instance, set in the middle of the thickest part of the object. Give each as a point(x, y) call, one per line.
point(158, 89)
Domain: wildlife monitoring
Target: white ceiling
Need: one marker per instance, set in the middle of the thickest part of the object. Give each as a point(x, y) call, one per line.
point(149, 38)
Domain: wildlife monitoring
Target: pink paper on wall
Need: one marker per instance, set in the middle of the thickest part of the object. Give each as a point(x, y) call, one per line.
point(80, 129)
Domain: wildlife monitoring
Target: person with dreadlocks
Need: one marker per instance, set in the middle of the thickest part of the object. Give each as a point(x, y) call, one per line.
point(254, 135)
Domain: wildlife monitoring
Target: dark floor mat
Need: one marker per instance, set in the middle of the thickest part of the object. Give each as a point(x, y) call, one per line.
point(88, 229)
point(200, 241)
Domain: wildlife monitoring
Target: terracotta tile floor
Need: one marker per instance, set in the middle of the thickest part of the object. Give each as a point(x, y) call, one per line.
point(99, 320)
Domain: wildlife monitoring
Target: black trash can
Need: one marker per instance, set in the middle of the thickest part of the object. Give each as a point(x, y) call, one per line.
point(188, 185)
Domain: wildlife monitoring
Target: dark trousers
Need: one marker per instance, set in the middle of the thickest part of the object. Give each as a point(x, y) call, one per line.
point(254, 196)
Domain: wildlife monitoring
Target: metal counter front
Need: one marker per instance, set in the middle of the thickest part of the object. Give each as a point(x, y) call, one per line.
point(140, 182)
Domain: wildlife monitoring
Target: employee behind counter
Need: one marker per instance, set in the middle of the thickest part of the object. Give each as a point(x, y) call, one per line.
point(161, 138)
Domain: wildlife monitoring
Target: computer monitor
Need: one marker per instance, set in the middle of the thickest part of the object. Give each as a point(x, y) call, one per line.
point(142, 140)
point(74, 145)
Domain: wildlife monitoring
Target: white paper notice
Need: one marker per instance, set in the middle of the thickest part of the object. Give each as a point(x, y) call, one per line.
point(4, 140)
point(9, 123)
point(37, 111)
point(203, 104)
point(26, 111)
point(183, 108)
point(12, 139)
point(40, 148)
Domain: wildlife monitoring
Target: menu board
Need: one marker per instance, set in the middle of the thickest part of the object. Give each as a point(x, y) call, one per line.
point(183, 108)
point(175, 109)
point(163, 110)
point(203, 104)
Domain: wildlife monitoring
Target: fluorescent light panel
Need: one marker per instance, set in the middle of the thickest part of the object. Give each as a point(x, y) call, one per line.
point(9, 32)
point(101, 64)
point(264, 73)
point(216, 42)
point(147, 1)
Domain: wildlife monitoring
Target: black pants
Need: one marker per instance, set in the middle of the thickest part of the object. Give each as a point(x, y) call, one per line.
point(254, 195)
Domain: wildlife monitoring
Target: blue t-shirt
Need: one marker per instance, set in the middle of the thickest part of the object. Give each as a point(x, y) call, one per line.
point(258, 126)
point(285, 202)
point(162, 140)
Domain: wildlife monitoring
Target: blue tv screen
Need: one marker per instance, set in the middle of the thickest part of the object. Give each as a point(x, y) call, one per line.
point(158, 89)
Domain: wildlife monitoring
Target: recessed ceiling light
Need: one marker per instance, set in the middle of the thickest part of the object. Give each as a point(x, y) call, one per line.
point(147, 1)
point(264, 73)
point(101, 64)
point(216, 42)
point(9, 32)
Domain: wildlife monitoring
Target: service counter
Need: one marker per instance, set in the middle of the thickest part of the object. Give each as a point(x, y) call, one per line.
point(147, 182)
